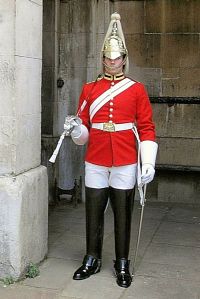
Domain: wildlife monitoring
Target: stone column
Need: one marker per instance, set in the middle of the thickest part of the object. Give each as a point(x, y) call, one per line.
point(23, 181)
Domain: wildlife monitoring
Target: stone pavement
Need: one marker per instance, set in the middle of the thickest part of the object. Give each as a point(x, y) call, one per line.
point(168, 264)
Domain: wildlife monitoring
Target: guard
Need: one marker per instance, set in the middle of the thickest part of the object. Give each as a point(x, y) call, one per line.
point(109, 111)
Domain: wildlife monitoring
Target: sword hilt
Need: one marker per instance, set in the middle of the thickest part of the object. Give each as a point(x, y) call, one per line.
point(55, 153)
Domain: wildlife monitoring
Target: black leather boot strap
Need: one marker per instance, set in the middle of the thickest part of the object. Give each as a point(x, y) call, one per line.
point(122, 264)
point(89, 261)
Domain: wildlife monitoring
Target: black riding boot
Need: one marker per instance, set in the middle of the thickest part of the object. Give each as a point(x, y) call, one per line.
point(122, 205)
point(96, 201)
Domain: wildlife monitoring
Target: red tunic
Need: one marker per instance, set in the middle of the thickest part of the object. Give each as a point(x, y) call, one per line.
point(131, 106)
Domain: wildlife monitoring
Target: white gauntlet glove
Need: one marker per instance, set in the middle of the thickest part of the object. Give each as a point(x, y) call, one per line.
point(72, 126)
point(148, 172)
point(148, 156)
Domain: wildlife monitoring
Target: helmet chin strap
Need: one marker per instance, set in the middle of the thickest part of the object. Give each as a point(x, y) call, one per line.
point(114, 67)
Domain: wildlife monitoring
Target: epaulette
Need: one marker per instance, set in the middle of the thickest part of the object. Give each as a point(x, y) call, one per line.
point(99, 77)
point(89, 82)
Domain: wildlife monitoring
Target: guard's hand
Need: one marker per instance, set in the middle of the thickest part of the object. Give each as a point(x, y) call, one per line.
point(148, 173)
point(72, 124)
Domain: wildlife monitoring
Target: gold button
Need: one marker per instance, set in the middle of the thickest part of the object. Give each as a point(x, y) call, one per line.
point(111, 109)
point(111, 103)
point(110, 115)
point(110, 121)
point(112, 83)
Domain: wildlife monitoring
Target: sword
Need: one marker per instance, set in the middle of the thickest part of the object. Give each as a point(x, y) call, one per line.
point(70, 122)
point(69, 129)
point(55, 153)
point(140, 228)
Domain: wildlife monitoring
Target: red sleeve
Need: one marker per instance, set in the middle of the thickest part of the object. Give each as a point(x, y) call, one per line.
point(145, 124)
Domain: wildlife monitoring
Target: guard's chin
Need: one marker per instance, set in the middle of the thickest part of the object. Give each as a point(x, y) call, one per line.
point(114, 67)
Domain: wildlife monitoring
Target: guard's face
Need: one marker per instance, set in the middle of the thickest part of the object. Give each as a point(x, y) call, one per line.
point(113, 66)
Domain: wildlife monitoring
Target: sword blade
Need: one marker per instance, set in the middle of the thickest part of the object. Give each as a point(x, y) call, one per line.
point(139, 232)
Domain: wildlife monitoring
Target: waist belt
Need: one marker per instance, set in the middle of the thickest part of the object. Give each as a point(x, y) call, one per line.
point(111, 127)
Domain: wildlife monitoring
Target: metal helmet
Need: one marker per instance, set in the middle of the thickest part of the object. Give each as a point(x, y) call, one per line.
point(114, 43)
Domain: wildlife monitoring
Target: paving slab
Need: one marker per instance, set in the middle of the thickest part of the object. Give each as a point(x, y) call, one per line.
point(54, 274)
point(178, 233)
point(72, 247)
point(167, 265)
point(96, 287)
point(189, 214)
point(173, 255)
point(173, 271)
point(162, 288)
point(17, 291)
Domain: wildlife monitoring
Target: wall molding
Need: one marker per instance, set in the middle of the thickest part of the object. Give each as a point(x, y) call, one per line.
point(175, 100)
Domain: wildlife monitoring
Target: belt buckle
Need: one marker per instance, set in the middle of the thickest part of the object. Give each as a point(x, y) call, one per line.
point(109, 127)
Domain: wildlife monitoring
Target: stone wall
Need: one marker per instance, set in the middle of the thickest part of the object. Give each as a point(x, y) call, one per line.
point(23, 181)
point(49, 86)
point(48, 66)
point(163, 42)
point(76, 34)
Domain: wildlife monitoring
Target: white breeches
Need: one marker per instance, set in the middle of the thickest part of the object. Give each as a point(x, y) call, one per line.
point(119, 177)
